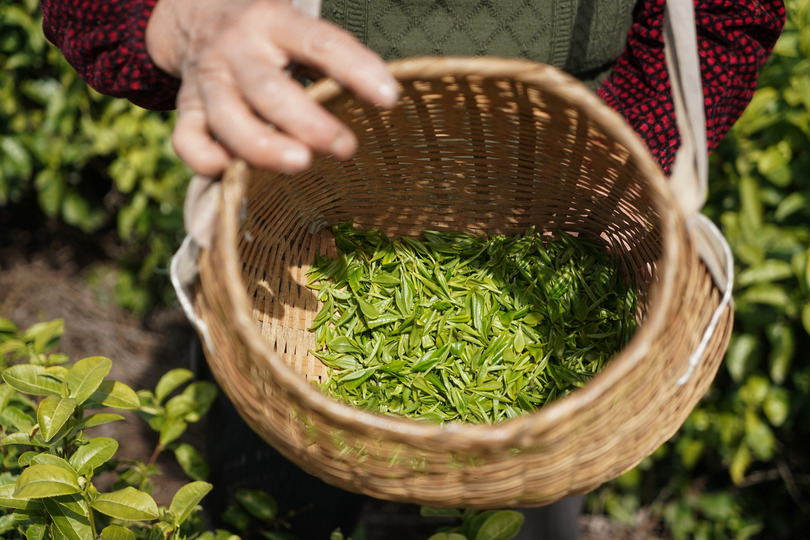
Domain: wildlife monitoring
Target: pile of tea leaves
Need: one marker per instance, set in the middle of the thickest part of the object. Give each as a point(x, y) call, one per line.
point(458, 327)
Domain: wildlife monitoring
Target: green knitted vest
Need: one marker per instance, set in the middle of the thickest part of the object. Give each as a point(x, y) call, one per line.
point(583, 37)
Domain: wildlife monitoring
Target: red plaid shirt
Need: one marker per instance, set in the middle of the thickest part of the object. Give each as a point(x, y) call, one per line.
point(105, 42)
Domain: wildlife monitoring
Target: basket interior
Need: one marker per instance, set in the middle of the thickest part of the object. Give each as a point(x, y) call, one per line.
point(465, 153)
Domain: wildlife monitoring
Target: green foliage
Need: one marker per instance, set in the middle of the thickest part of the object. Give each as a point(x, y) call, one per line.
point(738, 468)
point(477, 524)
point(95, 163)
point(50, 461)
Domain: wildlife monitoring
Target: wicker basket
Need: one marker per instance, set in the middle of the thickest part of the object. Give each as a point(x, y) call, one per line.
point(483, 146)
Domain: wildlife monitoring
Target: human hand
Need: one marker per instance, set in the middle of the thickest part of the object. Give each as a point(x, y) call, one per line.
point(236, 99)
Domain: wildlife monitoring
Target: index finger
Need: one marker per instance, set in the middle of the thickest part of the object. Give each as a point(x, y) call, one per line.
point(337, 54)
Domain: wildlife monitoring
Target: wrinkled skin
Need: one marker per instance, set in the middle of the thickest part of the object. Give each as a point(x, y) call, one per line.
point(237, 99)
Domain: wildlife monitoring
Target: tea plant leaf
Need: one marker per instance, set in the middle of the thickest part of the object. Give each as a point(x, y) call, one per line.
point(128, 504)
point(172, 429)
point(97, 419)
point(50, 459)
point(117, 532)
point(8, 328)
point(70, 517)
point(502, 525)
point(776, 406)
point(52, 414)
point(190, 461)
point(46, 480)
point(86, 375)
point(170, 382)
point(447, 536)
point(765, 272)
point(36, 531)
point(783, 349)
point(29, 379)
point(8, 500)
point(16, 417)
point(44, 335)
point(428, 511)
point(23, 439)
point(201, 395)
point(94, 454)
point(258, 503)
point(186, 499)
point(115, 394)
point(758, 436)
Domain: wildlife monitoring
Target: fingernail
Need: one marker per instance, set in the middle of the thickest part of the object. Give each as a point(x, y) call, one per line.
point(343, 146)
point(295, 158)
point(389, 92)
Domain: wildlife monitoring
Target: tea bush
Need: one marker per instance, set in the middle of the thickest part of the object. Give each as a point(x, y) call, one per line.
point(92, 162)
point(737, 468)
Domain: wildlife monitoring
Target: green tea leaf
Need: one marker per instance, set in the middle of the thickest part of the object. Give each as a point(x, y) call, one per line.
point(171, 429)
point(86, 375)
point(115, 394)
point(186, 499)
point(70, 517)
point(758, 436)
point(30, 379)
point(97, 419)
point(502, 525)
point(46, 480)
point(258, 503)
point(783, 348)
point(45, 335)
point(36, 532)
point(52, 414)
point(128, 504)
point(190, 461)
point(23, 439)
point(767, 271)
point(170, 382)
point(14, 416)
point(776, 406)
point(94, 454)
point(43, 458)
point(8, 500)
point(117, 532)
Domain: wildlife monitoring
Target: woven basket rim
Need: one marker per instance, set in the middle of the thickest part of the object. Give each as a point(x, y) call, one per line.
point(462, 435)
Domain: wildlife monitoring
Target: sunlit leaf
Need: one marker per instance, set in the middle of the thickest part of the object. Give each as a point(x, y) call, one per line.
point(46, 480)
point(170, 382)
point(52, 414)
point(85, 376)
point(94, 454)
point(29, 379)
point(186, 499)
point(128, 504)
point(70, 517)
point(116, 394)
point(117, 532)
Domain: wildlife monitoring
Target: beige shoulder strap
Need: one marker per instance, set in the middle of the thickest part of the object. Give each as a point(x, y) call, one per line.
point(689, 178)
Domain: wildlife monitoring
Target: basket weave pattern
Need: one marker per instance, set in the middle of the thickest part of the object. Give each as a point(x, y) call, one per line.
point(481, 146)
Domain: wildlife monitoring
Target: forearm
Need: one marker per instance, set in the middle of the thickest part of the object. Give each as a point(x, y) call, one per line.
point(734, 40)
point(105, 43)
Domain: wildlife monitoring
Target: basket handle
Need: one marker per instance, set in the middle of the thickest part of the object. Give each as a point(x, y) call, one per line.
point(689, 177)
